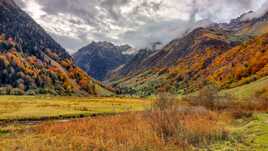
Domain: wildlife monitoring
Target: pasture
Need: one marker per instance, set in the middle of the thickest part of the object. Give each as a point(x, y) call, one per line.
point(23, 108)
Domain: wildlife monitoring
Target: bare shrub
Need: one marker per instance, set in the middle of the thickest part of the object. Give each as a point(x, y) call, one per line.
point(241, 114)
point(261, 100)
point(187, 126)
point(262, 93)
point(180, 124)
point(209, 98)
point(255, 103)
point(165, 101)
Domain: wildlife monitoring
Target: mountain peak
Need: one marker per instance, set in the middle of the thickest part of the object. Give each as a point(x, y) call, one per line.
point(242, 17)
point(102, 44)
point(253, 16)
point(98, 58)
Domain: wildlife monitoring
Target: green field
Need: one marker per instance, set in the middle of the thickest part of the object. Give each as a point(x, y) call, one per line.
point(248, 90)
point(45, 107)
point(247, 135)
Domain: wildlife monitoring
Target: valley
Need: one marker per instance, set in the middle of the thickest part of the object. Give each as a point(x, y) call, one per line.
point(73, 78)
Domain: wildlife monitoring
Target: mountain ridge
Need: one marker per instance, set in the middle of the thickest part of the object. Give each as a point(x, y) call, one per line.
point(182, 65)
point(99, 58)
point(33, 63)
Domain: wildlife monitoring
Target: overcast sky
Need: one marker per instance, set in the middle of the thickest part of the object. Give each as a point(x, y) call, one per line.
point(75, 23)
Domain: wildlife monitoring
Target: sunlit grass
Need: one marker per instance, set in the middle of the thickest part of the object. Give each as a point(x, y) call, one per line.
point(170, 124)
point(34, 108)
point(248, 90)
point(247, 134)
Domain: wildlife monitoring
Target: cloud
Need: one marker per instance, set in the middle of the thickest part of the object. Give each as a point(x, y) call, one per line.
point(260, 12)
point(74, 23)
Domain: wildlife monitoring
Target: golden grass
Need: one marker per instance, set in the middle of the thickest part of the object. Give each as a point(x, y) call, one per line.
point(45, 107)
point(126, 132)
point(169, 125)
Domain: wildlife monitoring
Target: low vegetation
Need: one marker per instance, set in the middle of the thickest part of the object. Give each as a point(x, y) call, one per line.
point(207, 121)
point(23, 108)
point(247, 90)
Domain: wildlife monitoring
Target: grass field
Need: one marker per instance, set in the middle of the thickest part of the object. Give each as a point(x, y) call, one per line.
point(131, 132)
point(246, 135)
point(45, 107)
point(248, 90)
point(200, 123)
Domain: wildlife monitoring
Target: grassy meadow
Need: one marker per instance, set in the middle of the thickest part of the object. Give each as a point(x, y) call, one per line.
point(131, 132)
point(248, 90)
point(208, 121)
point(23, 108)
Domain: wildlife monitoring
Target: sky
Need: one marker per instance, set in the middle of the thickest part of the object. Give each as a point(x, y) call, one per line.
point(139, 23)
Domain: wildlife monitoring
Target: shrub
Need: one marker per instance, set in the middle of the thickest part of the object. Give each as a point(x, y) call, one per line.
point(4, 90)
point(16, 91)
point(257, 103)
point(209, 97)
point(241, 114)
point(165, 101)
point(30, 92)
point(187, 126)
point(262, 93)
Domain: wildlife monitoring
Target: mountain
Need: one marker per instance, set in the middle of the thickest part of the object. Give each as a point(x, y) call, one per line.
point(133, 66)
point(223, 55)
point(18, 25)
point(98, 59)
point(242, 64)
point(244, 26)
point(31, 62)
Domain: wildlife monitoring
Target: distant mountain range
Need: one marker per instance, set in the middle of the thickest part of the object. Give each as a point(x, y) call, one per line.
point(31, 62)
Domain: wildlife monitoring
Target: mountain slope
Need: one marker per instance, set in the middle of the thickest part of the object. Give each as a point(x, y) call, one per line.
point(98, 59)
point(243, 63)
point(32, 62)
point(224, 55)
point(27, 33)
point(132, 66)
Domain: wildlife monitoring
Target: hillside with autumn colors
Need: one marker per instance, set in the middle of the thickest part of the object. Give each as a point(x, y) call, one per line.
point(222, 55)
point(171, 75)
point(31, 62)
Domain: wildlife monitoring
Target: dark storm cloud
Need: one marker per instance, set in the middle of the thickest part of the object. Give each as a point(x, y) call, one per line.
point(138, 22)
point(89, 10)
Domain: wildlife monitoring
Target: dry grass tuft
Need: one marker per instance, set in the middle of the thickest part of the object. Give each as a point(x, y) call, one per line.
point(209, 98)
point(187, 126)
